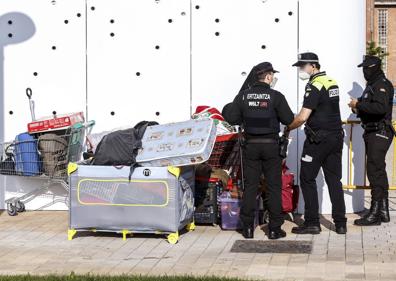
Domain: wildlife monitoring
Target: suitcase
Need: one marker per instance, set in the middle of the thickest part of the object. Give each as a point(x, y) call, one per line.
point(177, 144)
point(156, 200)
point(27, 159)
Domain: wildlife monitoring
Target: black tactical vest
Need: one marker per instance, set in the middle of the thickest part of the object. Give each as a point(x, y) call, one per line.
point(259, 115)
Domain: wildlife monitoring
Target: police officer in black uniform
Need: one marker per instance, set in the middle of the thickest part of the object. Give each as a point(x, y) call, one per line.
point(259, 110)
point(323, 144)
point(374, 108)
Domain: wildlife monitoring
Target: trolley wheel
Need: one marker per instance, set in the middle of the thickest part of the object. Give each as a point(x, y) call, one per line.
point(20, 207)
point(190, 226)
point(173, 238)
point(12, 210)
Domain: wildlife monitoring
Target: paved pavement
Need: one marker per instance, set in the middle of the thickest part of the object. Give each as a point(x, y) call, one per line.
point(36, 243)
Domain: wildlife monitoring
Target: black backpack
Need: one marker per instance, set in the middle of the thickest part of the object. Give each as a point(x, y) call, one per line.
point(120, 148)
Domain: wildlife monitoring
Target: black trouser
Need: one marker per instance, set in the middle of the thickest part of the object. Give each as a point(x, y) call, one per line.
point(326, 155)
point(377, 145)
point(258, 159)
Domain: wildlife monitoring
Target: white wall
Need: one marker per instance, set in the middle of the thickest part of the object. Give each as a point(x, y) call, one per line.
point(335, 30)
point(93, 71)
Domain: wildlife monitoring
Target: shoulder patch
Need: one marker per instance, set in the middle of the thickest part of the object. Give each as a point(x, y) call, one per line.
point(317, 85)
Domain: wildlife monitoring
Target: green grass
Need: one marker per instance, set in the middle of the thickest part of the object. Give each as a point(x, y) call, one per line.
point(73, 277)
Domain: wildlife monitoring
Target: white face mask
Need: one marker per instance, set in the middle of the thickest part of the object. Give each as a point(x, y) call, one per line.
point(273, 83)
point(303, 75)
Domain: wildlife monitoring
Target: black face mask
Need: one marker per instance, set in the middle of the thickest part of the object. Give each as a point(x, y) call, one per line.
point(372, 72)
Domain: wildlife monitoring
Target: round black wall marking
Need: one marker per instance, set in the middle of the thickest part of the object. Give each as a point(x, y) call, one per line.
point(10, 22)
point(92, 8)
point(11, 112)
point(54, 112)
point(9, 35)
point(276, 20)
point(183, 13)
point(112, 113)
point(35, 73)
point(170, 20)
point(263, 46)
point(78, 15)
point(217, 33)
point(157, 113)
point(290, 13)
point(243, 73)
point(157, 47)
point(217, 20)
point(111, 21)
point(197, 7)
point(53, 47)
point(137, 73)
point(66, 21)
point(112, 34)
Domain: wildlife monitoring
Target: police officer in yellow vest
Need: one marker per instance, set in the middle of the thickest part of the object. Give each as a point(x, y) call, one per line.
point(323, 144)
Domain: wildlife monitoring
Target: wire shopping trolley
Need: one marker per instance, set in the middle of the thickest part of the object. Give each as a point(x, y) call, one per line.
point(43, 156)
point(227, 157)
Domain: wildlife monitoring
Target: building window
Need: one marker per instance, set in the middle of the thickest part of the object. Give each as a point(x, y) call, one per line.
point(383, 33)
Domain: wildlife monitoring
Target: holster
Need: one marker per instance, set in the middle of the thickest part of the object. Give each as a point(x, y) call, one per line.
point(372, 127)
point(390, 125)
point(312, 136)
point(283, 145)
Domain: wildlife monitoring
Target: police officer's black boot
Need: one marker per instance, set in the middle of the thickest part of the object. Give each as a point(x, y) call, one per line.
point(307, 229)
point(373, 217)
point(341, 229)
point(385, 210)
point(248, 232)
point(276, 234)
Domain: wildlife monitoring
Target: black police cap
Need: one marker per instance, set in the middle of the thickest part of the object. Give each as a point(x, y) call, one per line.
point(305, 58)
point(265, 67)
point(370, 60)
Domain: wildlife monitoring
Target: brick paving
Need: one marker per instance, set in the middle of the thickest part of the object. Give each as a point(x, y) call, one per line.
point(36, 243)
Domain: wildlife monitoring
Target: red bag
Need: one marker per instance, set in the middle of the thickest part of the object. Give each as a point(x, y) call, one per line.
point(290, 191)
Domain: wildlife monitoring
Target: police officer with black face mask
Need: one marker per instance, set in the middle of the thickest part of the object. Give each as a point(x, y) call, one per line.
point(374, 108)
point(259, 110)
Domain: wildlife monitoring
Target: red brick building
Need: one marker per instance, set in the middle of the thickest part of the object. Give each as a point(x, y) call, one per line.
point(381, 28)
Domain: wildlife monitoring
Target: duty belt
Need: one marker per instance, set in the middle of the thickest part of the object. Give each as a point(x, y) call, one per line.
point(262, 140)
point(379, 126)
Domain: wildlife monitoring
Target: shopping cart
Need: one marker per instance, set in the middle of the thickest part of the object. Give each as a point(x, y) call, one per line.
point(226, 155)
point(44, 157)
